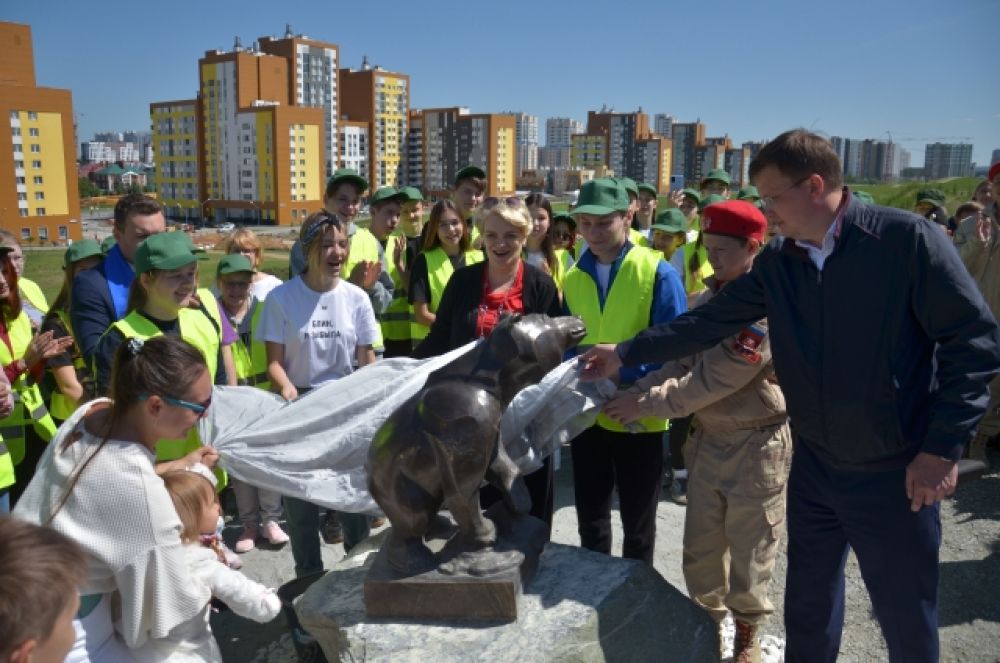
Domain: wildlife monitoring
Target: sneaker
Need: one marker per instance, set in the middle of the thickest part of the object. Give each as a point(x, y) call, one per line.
point(746, 643)
point(331, 530)
point(678, 491)
point(247, 539)
point(232, 559)
point(274, 534)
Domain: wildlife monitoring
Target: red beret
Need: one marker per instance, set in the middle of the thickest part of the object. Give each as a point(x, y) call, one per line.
point(734, 217)
point(994, 171)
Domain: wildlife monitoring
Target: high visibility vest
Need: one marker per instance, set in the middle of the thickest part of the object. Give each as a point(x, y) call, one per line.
point(29, 407)
point(199, 331)
point(439, 271)
point(395, 320)
point(563, 262)
point(251, 362)
point(30, 291)
point(62, 406)
point(694, 281)
point(625, 314)
point(637, 238)
point(364, 246)
point(6, 467)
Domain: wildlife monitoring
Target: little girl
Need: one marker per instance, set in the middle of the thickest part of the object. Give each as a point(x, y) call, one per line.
point(193, 494)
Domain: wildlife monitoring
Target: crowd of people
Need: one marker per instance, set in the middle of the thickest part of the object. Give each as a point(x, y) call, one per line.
point(793, 319)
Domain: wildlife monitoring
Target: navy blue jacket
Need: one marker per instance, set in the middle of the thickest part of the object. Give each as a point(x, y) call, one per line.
point(886, 352)
point(91, 310)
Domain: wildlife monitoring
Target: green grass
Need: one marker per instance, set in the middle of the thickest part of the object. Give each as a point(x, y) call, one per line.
point(45, 268)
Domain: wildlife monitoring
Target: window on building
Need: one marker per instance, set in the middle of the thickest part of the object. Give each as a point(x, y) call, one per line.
point(39, 211)
point(295, 214)
point(43, 231)
point(32, 131)
point(15, 115)
point(18, 164)
point(25, 233)
point(32, 115)
point(36, 165)
point(22, 196)
point(63, 232)
point(37, 178)
point(22, 212)
point(39, 195)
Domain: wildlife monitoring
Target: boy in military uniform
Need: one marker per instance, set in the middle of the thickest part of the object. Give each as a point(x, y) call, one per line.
point(739, 453)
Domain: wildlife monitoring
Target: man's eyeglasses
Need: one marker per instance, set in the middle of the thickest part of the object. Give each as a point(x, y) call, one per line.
point(768, 201)
point(197, 408)
point(511, 201)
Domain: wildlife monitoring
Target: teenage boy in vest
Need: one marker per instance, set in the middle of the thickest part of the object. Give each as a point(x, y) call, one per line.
point(386, 209)
point(618, 287)
point(645, 212)
point(716, 182)
point(740, 449)
point(468, 194)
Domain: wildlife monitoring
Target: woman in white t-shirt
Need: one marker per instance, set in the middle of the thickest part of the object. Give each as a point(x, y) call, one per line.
point(316, 327)
point(98, 484)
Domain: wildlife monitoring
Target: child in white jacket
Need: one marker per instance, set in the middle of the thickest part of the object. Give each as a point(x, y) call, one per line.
point(193, 495)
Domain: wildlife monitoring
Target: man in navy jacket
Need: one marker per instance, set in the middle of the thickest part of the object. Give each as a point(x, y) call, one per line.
point(884, 349)
point(100, 295)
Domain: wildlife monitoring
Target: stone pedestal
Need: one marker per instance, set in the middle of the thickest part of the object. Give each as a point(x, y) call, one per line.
point(581, 607)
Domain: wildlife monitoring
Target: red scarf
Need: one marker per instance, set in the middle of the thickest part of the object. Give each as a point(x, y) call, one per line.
point(493, 304)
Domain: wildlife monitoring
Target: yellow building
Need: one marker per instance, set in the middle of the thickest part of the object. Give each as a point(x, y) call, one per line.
point(588, 151)
point(39, 198)
point(175, 144)
point(382, 99)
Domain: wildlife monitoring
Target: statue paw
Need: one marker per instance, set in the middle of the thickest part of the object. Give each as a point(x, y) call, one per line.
point(482, 563)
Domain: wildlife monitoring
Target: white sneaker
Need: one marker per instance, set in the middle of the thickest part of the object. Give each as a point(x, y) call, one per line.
point(274, 534)
point(247, 540)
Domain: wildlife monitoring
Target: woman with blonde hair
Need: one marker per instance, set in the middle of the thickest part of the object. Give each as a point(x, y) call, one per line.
point(478, 295)
point(245, 242)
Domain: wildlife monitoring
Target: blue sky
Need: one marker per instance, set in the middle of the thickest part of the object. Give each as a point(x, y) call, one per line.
point(922, 70)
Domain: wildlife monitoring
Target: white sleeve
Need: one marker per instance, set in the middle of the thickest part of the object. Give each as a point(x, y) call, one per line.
point(365, 322)
point(243, 596)
point(272, 321)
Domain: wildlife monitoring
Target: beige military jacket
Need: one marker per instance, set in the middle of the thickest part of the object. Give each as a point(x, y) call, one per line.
point(982, 259)
point(728, 387)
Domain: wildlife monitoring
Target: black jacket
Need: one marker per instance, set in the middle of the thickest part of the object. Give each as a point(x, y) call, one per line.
point(455, 324)
point(886, 352)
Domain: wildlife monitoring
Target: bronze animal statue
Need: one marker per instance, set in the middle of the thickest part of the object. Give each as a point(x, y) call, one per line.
point(435, 450)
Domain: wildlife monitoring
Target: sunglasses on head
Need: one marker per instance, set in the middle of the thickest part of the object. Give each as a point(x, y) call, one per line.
point(197, 408)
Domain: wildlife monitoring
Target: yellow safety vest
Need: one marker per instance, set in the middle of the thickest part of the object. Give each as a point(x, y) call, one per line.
point(695, 281)
point(30, 291)
point(62, 406)
point(637, 238)
point(563, 263)
point(6, 467)
point(395, 320)
point(29, 407)
point(251, 363)
point(625, 314)
point(439, 271)
point(200, 332)
point(364, 246)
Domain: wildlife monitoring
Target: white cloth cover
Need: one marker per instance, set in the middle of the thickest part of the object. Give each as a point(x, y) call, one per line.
point(315, 447)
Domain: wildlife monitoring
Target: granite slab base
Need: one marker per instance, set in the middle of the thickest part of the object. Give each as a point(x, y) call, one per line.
point(581, 607)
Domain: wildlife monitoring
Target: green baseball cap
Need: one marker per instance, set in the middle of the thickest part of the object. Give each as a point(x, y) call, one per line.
point(84, 248)
point(716, 174)
point(164, 251)
point(692, 193)
point(568, 218)
point(347, 175)
point(648, 188)
point(671, 221)
point(388, 193)
point(864, 197)
point(233, 263)
point(601, 197)
point(630, 185)
point(712, 198)
point(934, 196)
point(108, 244)
point(412, 193)
point(748, 192)
point(470, 171)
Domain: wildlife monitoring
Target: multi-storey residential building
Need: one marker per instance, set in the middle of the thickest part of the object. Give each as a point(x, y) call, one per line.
point(737, 164)
point(621, 132)
point(663, 125)
point(382, 99)
point(588, 151)
point(414, 172)
point(687, 137)
point(39, 198)
point(707, 157)
point(312, 83)
point(454, 138)
point(440, 148)
point(526, 142)
point(178, 174)
point(559, 129)
point(354, 152)
point(948, 160)
point(654, 162)
point(553, 157)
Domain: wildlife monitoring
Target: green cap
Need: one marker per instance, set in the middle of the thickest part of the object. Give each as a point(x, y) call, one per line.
point(233, 263)
point(601, 197)
point(864, 197)
point(347, 175)
point(387, 193)
point(671, 221)
point(692, 193)
point(108, 243)
point(470, 171)
point(412, 193)
point(716, 174)
point(748, 193)
point(648, 188)
point(712, 198)
point(568, 218)
point(164, 251)
point(84, 248)
point(934, 196)
point(630, 185)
